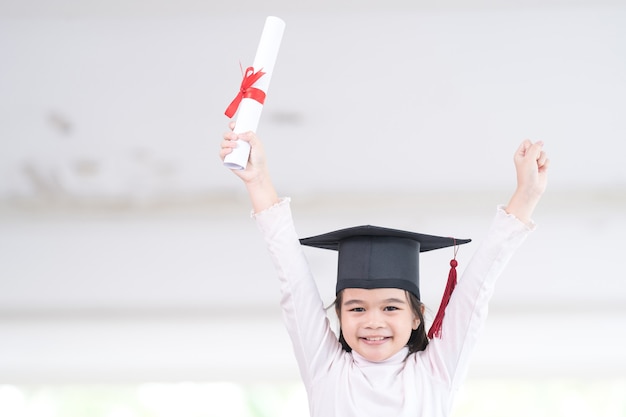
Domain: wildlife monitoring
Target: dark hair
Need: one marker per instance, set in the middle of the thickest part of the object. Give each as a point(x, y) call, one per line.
point(418, 339)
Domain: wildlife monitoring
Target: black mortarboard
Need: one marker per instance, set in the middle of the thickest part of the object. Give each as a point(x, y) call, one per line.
point(377, 257)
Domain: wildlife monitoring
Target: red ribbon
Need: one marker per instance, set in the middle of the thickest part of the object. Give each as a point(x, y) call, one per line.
point(247, 91)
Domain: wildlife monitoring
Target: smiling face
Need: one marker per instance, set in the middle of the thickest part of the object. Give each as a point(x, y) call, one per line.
point(376, 323)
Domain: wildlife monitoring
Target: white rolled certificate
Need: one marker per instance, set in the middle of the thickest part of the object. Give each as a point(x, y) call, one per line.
point(249, 111)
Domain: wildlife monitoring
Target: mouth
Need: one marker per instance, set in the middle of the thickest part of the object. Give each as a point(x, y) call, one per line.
point(375, 340)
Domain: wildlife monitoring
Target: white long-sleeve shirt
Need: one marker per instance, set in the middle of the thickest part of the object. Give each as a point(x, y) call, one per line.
point(344, 384)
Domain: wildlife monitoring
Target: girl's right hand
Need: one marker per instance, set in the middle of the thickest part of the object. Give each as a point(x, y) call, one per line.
point(256, 176)
point(256, 167)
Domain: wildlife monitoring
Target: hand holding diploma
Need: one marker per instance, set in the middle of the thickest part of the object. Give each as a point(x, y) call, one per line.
point(256, 175)
point(251, 97)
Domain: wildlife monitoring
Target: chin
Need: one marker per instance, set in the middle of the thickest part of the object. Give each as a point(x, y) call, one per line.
point(376, 356)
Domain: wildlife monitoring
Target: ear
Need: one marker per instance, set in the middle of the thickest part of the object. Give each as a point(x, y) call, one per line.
point(416, 320)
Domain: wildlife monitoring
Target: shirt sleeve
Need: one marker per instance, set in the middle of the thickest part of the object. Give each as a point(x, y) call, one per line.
point(465, 315)
point(315, 345)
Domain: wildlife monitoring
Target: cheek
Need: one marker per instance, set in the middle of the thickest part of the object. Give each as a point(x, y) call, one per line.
point(346, 324)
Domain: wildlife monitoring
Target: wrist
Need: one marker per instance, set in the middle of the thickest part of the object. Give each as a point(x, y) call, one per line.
point(257, 182)
point(262, 193)
point(522, 204)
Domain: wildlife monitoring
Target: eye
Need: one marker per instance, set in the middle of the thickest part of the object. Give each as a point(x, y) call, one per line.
point(357, 309)
point(391, 308)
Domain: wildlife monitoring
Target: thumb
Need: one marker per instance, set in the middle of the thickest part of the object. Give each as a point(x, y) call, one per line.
point(523, 149)
point(529, 150)
point(249, 137)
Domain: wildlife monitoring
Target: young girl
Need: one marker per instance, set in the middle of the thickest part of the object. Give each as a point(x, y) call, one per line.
point(383, 364)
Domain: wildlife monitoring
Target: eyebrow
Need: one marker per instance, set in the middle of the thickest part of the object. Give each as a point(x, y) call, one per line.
point(387, 301)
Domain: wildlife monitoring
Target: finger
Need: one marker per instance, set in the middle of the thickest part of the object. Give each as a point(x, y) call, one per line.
point(536, 150)
point(231, 125)
point(229, 136)
point(228, 144)
point(523, 148)
point(224, 152)
point(541, 158)
point(529, 149)
point(249, 137)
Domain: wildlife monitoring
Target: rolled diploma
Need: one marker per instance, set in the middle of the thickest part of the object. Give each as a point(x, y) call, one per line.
point(249, 111)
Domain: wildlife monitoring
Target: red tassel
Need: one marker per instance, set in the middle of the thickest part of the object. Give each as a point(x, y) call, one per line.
point(435, 329)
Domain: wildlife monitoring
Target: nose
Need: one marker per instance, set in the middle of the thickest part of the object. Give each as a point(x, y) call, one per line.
point(374, 320)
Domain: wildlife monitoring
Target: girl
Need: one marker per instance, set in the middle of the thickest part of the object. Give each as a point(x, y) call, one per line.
point(382, 363)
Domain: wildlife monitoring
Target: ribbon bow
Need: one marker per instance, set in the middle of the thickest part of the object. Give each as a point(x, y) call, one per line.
point(247, 91)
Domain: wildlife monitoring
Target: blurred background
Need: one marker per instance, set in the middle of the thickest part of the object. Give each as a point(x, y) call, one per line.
point(134, 283)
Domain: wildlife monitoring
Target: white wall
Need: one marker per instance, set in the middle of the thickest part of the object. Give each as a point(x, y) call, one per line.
point(179, 294)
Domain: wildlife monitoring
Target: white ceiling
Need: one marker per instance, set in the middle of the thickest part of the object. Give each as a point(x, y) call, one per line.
point(186, 8)
point(132, 107)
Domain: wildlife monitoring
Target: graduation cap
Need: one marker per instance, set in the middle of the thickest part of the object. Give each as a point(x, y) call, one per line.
point(377, 257)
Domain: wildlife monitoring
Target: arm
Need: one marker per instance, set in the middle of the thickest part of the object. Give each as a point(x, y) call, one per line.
point(305, 317)
point(467, 310)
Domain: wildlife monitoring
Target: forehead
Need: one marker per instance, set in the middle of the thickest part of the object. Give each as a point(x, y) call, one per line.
point(373, 295)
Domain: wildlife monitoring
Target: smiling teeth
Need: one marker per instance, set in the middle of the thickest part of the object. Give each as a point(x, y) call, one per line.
point(374, 339)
